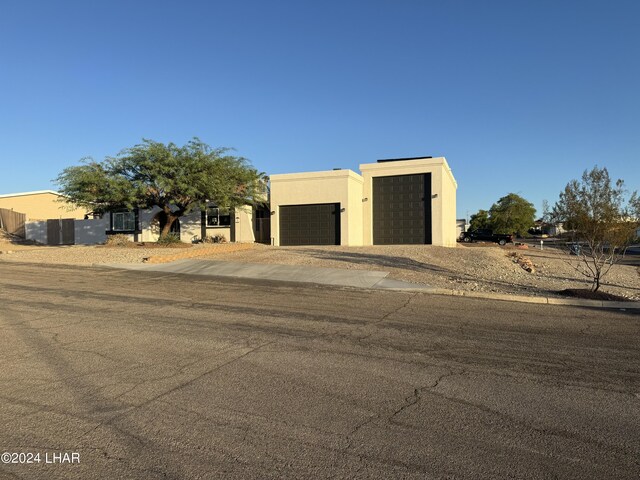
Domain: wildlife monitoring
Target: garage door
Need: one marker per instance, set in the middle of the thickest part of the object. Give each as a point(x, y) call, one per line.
point(402, 209)
point(317, 224)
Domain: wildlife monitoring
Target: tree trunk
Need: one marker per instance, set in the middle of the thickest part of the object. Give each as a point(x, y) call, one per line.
point(166, 222)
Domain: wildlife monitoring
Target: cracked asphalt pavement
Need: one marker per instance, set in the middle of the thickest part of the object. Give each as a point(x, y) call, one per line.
point(152, 375)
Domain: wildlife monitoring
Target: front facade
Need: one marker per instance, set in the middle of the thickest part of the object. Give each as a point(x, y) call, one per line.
point(397, 201)
point(232, 225)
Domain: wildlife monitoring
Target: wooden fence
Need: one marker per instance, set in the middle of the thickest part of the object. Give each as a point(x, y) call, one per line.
point(12, 222)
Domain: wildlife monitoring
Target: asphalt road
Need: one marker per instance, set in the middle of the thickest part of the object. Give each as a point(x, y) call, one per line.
point(151, 375)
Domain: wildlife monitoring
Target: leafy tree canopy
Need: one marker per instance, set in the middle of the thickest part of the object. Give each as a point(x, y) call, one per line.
point(602, 216)
point(176, 179)
point(512, 214)
point(480, 221)
point(591, 205)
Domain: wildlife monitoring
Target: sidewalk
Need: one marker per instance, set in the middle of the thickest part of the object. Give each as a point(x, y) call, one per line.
point(283, 273)
point(346, 278)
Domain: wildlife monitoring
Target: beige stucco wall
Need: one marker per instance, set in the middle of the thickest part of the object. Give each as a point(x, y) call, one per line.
point(332, 186)
point(190, 226)
point(244, 225)
point(447, 202)
point(243, 219)
point(443, 184)
point(41, 206)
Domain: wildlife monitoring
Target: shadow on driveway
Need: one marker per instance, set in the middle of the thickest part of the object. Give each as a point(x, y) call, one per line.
point(376, 260)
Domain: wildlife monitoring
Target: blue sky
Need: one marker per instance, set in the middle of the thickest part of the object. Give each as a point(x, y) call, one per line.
point(519, 96)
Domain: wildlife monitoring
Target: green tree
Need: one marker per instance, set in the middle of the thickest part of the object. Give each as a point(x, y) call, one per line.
point(602, 218)
point(480, 220)
point(512, 214)
point(175, 179)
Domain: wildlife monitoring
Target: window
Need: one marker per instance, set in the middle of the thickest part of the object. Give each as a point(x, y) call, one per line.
point(124, 221)
point(218, 217)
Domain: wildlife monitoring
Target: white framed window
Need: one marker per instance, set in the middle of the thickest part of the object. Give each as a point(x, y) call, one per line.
point(124, 221)
point(218, 217)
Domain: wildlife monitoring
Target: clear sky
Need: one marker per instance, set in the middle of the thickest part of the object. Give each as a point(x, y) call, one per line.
point(519, 96)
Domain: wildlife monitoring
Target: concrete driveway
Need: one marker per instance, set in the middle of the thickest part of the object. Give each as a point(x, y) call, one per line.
point(155, 375)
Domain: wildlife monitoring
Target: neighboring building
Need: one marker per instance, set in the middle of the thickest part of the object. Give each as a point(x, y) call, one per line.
point(395, 201)
point(461, 226)
point(41, 205)
point(555, 229)
point(239, 225)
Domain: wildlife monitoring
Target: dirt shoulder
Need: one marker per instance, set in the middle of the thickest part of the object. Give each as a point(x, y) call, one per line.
point(100, 254)
point(476, 267)
point(479, 267)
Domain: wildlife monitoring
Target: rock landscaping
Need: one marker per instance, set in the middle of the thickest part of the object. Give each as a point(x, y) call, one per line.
point(524, 262)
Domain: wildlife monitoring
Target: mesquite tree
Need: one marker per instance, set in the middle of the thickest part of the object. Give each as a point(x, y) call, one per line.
point(175, 179)
point(602, 219)
point(512, 214)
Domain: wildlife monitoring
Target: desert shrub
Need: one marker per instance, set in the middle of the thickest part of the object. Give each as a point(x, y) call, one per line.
point(169, 239)
point(215, 239)
point(118, 240)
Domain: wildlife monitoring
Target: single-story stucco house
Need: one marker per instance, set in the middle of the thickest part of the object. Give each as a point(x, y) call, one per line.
point(393, 201)
point(142, 225)
point(41, 205)
point(44, 206)
point(234, 225)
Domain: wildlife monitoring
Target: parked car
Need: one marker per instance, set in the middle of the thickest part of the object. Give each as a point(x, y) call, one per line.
point(484, 235)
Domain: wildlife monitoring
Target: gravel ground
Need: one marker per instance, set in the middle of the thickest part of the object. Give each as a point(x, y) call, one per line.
point(84, 254)
point(477, 267)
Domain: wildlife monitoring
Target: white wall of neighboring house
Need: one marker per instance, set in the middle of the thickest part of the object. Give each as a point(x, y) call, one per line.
point(91, 231)
point(556, 229)
point(36, 231)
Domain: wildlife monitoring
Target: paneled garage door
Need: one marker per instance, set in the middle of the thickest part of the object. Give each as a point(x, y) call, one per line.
point(317, 224)
point(402, 209)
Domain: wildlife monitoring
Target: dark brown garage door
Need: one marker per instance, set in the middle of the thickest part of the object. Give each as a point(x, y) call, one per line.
point(402, 209)
point(317, 224)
